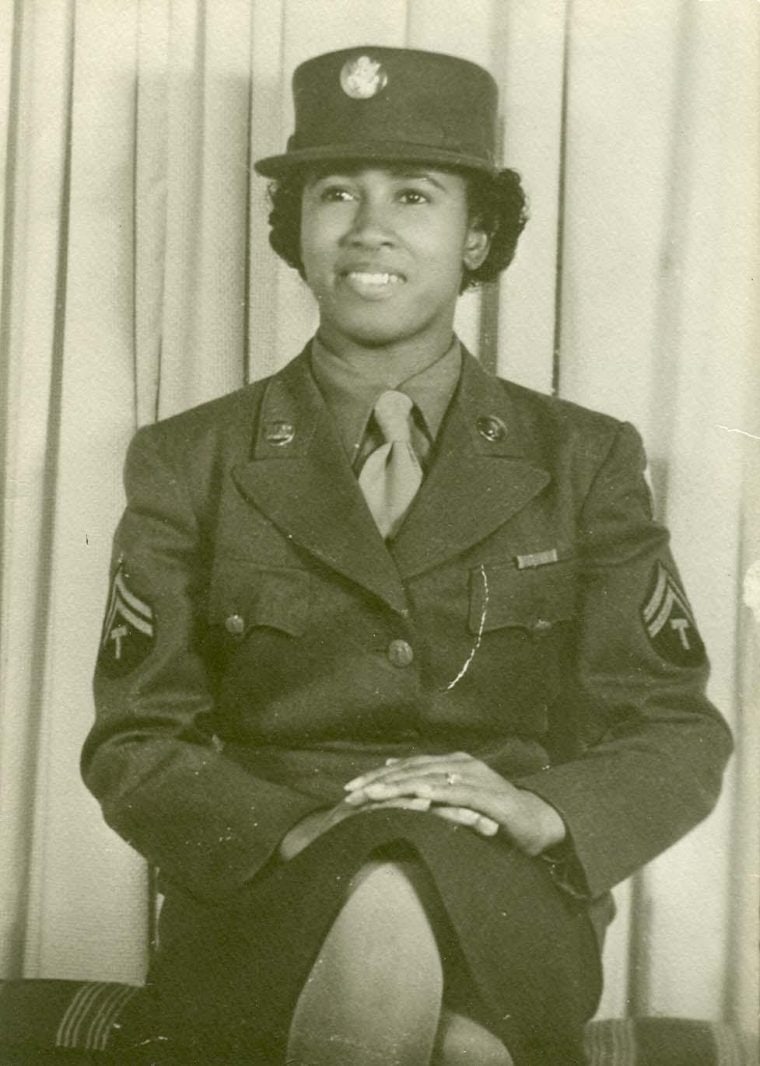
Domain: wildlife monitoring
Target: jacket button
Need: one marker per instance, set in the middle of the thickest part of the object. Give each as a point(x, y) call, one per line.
point(541, 625)
point(400, 653)
point(235, 624)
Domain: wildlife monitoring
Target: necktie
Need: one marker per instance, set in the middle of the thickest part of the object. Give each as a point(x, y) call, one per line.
point(391, 475)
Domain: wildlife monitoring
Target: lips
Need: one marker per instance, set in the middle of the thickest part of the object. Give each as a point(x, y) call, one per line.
point(366, 277)
point(372, 283)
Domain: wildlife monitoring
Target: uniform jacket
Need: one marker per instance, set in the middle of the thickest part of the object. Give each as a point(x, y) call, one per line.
point(262, 644)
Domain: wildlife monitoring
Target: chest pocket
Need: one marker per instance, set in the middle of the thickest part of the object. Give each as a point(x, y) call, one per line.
point(533, 600)
point(244, 597)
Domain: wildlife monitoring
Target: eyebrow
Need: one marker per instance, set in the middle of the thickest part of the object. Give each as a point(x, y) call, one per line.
point(400, 172)
point(418, 173)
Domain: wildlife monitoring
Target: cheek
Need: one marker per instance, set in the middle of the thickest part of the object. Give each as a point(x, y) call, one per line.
point(318, 244)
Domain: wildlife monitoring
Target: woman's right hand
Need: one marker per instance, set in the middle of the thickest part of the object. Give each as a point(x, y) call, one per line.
point(318, 822)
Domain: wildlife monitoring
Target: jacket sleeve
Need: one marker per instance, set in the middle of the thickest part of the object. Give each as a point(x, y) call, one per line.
point(164, 782)
point(655, 749)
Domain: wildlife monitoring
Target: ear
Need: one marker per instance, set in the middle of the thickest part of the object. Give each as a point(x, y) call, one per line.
point(476, 246)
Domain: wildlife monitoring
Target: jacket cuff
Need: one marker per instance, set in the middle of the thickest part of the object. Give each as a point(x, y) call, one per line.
point(565, 869)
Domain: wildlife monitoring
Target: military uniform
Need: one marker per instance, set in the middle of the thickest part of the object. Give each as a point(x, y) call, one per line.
point(263, 645)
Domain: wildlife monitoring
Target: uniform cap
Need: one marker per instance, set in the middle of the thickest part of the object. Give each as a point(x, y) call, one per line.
point(391, 105)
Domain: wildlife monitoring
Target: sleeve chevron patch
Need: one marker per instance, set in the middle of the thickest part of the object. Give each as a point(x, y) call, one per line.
point(128, 629)
point(669, 620)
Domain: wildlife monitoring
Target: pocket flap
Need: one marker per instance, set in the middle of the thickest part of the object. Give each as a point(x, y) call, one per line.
point(532, 599)
point(243, 596)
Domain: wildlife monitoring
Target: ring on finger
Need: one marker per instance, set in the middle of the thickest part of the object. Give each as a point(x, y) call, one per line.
point(453, 779)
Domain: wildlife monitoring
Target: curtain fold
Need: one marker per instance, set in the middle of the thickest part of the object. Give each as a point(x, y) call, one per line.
point(137, 281)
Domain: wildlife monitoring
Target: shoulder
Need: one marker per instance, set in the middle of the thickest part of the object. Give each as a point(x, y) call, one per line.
point(213, 419)
point(189, 455)
point(220, 428)
point(542, 413)
point(557, 429)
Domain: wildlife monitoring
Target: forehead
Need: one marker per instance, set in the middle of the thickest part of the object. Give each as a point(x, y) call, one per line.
point(361, 169)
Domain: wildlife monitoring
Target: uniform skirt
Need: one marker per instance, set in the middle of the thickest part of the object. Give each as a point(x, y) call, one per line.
point(518, 952)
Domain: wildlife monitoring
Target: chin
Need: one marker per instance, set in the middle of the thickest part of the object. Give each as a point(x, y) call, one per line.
point(374, 331)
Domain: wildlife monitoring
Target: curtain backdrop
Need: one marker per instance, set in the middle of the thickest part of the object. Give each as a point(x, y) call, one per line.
point(137, 281)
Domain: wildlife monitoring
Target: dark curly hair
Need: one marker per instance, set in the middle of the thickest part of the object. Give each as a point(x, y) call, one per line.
point(496, 201)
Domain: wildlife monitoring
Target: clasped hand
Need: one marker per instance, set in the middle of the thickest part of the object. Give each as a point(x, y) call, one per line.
point(454, 786)
point(466, 791)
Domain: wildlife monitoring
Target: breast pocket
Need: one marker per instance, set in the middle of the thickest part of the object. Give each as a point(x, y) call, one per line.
point(534, 600)
point(523, 621)
point(244, 597)
point(256, 619)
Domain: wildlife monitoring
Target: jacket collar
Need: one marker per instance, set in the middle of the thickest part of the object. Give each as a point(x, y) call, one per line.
point(484, 471)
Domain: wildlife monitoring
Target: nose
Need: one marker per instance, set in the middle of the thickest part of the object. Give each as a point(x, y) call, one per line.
point(371, 224)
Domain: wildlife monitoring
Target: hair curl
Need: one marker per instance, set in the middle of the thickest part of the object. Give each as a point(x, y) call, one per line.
point(496, 203)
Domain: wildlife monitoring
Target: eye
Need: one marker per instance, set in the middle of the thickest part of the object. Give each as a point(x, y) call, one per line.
point(413, 197)
point(335, 194)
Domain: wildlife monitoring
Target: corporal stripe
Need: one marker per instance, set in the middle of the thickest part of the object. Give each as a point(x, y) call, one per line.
point(134, 601)
point(118, 606)
point(666, 594)
point(671, 598)
point(657, 596)
point(136, 620)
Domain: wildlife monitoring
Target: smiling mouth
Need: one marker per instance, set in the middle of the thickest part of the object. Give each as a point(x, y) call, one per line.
point(367, 277)
point(372, 284)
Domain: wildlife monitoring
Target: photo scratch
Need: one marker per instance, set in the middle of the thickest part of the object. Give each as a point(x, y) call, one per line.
point(742, 432)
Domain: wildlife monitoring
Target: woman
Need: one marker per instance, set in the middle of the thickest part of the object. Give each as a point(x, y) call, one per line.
point(397, 676)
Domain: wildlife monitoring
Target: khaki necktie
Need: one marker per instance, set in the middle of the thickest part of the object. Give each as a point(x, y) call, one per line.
point(391, 475)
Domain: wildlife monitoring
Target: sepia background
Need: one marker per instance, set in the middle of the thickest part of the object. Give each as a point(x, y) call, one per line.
point(137, 281)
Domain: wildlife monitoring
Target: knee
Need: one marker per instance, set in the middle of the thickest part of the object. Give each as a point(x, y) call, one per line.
point(464, 1042)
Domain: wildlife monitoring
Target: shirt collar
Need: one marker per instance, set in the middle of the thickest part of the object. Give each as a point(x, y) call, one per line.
point(351, 393)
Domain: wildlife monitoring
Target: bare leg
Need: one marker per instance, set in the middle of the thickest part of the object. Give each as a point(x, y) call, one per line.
point(373, 997)
point(464, 1042)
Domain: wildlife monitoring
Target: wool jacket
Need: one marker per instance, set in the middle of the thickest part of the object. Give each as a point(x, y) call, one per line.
point(262, 643)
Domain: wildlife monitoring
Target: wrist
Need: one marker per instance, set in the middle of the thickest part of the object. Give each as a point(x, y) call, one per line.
point(550, 827)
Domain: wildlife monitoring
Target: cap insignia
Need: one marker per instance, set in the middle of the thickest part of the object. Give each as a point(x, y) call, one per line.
point(362, 78)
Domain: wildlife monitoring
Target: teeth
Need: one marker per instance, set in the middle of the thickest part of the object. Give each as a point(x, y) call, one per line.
point(373, 279)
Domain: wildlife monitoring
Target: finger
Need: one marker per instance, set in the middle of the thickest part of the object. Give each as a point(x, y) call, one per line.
point(424, 763)
point(458, 815)
point(494, 804)
point(438, 787)
point(466, 816)
point(405, 803)
point(487, 827)
point(378, 795)
point(442, 773)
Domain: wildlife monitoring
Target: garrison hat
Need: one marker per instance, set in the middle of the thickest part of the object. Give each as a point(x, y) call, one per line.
point(391, 105)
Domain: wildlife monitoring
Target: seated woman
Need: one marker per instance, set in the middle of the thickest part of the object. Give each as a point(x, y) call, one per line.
point(397, 675)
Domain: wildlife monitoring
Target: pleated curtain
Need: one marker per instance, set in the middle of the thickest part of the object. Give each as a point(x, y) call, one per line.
point(137, 281)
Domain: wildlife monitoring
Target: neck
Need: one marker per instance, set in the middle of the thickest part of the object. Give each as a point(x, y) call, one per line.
point(400, 359)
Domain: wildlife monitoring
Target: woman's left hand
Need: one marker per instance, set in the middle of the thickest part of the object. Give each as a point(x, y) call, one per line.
point(458, 781)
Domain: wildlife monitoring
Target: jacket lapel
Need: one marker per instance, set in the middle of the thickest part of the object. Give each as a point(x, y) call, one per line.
point(299, 476)
point(482, 475)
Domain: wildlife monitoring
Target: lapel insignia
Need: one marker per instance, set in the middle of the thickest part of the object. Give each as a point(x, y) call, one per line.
point(279, 432)
point(669, 620)
point(128, 629)
point(526, 562)
point(491, 428)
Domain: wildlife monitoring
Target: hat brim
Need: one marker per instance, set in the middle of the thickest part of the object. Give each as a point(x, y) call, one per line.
point(393, 152)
